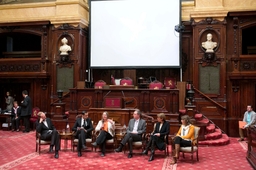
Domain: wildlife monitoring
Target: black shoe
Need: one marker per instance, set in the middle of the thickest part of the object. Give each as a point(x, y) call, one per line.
point(102, 155)
point(51, 149)
point(84, 147)
point(129, 155)
point(79, 154)
point(119, 149)
point(151, 158)
point(145, 152)
point(94, 144)
point(56, 155)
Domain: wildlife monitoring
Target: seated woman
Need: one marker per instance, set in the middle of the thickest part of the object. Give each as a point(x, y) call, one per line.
point(162, 128)
point(106, 127)
point(16, 110)
point(183, 138)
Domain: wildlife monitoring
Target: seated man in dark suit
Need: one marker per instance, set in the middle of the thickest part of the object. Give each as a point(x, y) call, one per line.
point(83, 128)
point(136, 128)
point(45, 127)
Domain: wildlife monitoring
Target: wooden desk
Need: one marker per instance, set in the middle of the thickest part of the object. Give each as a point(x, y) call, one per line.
point(5, 118)
point(147, 100)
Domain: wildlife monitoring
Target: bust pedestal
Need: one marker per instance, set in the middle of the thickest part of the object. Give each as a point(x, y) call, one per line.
point(190, 110)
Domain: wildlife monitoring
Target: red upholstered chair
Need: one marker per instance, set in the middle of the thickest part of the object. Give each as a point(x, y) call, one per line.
point(170, 83)
point(156, 85)
point(99, 84)
point(34, 116)
point(126, 81)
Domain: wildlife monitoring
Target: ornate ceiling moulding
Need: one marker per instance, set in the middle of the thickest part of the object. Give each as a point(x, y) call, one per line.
point(75, 23)
point(198, 16)
point(209, 21)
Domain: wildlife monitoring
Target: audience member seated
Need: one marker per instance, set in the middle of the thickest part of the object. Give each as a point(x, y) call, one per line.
point(45, 127)
point(183, 138)
point(136, 128)
point(106, 127)
point(156, 85)
point(158, 136)
point(126, 81)
point(170, 83)
point(99, 84)
point(16, 110)
point(83, 129)
point(249, 119)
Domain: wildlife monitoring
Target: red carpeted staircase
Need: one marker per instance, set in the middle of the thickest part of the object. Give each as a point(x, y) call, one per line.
point(214, 135)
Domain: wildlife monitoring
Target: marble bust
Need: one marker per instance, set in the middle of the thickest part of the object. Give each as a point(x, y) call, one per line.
point(209, 45)
point(64, 49)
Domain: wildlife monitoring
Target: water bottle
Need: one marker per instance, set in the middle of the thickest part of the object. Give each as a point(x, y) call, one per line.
point(68, 128)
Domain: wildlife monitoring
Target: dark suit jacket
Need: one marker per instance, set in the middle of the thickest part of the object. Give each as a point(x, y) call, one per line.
point(26, 107)
point(165, 129)
point(42, 129)
point(141, 126)
point(18, 112)
point(89, 126)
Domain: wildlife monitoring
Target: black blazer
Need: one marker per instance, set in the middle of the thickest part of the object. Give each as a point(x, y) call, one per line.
point(18, 112)
point(165, 129)
point(89, 126)
point(42, 129)
point(26, 107)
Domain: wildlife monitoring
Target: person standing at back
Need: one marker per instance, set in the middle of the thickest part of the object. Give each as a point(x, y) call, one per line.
point(9, 102)
point(26, 110)
point(249, 118)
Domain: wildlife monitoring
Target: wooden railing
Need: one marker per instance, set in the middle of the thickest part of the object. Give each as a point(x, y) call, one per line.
point(223, 107)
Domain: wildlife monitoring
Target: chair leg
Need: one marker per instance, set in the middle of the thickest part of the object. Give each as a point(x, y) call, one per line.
point(197, 156)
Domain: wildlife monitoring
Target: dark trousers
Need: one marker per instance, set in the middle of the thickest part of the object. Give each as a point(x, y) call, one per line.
point(26, 122)
point(182, 142)
point(130, 137)
point(81, 135)
point(101, 140)
point(151, 142)
point(54, 137)
point(15, 123)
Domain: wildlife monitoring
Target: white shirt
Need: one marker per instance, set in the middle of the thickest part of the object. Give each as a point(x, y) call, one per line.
point(135, 128)
point(160, 126)
point(45, 123)
point(83, 121)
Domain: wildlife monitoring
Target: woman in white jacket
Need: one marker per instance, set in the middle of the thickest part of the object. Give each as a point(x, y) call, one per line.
point(106, 127)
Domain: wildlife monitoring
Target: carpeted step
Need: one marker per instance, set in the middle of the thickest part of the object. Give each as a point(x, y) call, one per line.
point(210, 128)
point(224, 140)
point(203, 121)
point(198, 116)
point(215, 135)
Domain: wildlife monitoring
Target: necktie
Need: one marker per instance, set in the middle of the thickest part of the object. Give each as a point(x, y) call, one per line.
point(85, 123)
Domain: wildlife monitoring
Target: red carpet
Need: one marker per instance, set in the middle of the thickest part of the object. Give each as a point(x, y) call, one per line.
point(18, 152)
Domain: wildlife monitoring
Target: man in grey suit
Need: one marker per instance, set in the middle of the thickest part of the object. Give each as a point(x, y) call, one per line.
point(136, 128)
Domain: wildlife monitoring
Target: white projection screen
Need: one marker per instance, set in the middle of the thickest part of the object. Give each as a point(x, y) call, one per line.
point(134, 34)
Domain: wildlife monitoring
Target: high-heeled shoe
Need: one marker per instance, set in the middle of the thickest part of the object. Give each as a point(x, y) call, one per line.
point(174, 161)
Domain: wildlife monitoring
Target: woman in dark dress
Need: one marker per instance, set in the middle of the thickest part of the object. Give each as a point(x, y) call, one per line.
point(162, 128)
